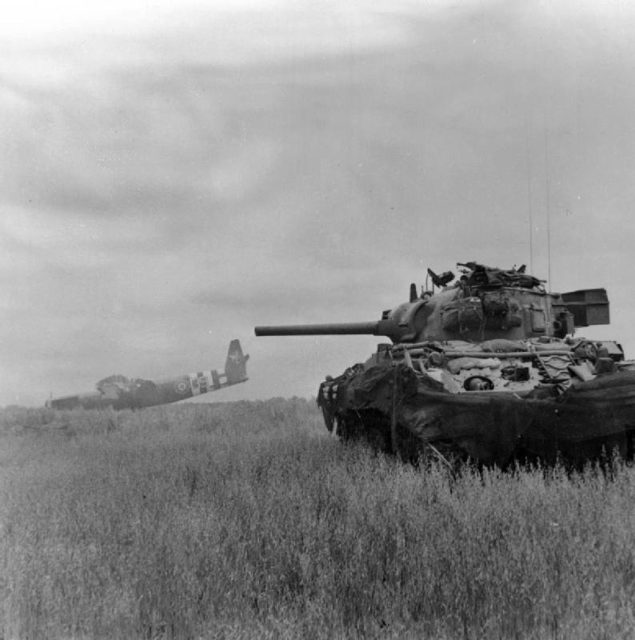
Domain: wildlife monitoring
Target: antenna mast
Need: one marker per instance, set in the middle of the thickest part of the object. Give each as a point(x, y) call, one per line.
point(531, 217)
point(547, 204)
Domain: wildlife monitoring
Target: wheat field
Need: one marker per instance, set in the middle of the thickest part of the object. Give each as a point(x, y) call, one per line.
point(247, 520)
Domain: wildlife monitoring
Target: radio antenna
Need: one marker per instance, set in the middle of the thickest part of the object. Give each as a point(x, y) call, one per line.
point(547, 204)
point(529, 207)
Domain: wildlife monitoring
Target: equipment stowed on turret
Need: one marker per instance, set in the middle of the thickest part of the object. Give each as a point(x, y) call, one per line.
point(486, 366)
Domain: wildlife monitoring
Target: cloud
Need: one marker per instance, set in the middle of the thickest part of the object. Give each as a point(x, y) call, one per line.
point(173, 186)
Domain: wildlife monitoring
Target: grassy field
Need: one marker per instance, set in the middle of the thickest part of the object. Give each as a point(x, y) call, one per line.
point(245, 520)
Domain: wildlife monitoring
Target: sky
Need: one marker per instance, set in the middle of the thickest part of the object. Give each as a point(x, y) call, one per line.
point(175, 173)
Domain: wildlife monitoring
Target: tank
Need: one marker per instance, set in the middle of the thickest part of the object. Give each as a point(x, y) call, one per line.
point(486, 366)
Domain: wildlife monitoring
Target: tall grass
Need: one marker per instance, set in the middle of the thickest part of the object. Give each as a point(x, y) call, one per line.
point(246, 520)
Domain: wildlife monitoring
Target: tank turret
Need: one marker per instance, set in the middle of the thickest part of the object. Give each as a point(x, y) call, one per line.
point(484, 304)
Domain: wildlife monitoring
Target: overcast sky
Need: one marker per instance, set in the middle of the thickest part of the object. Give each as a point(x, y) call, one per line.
point(174, 173)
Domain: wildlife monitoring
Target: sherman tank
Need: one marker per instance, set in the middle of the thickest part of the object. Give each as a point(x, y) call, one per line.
point(488, 366)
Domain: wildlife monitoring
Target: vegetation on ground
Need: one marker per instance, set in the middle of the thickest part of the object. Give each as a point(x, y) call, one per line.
point(246, 520)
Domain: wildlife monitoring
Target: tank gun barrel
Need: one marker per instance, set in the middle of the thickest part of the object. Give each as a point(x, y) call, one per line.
point(329, 329)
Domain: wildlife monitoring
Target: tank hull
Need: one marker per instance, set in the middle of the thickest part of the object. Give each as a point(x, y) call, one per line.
point(408, 412)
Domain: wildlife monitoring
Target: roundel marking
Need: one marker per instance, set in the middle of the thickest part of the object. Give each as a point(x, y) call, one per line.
point(181, 386)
